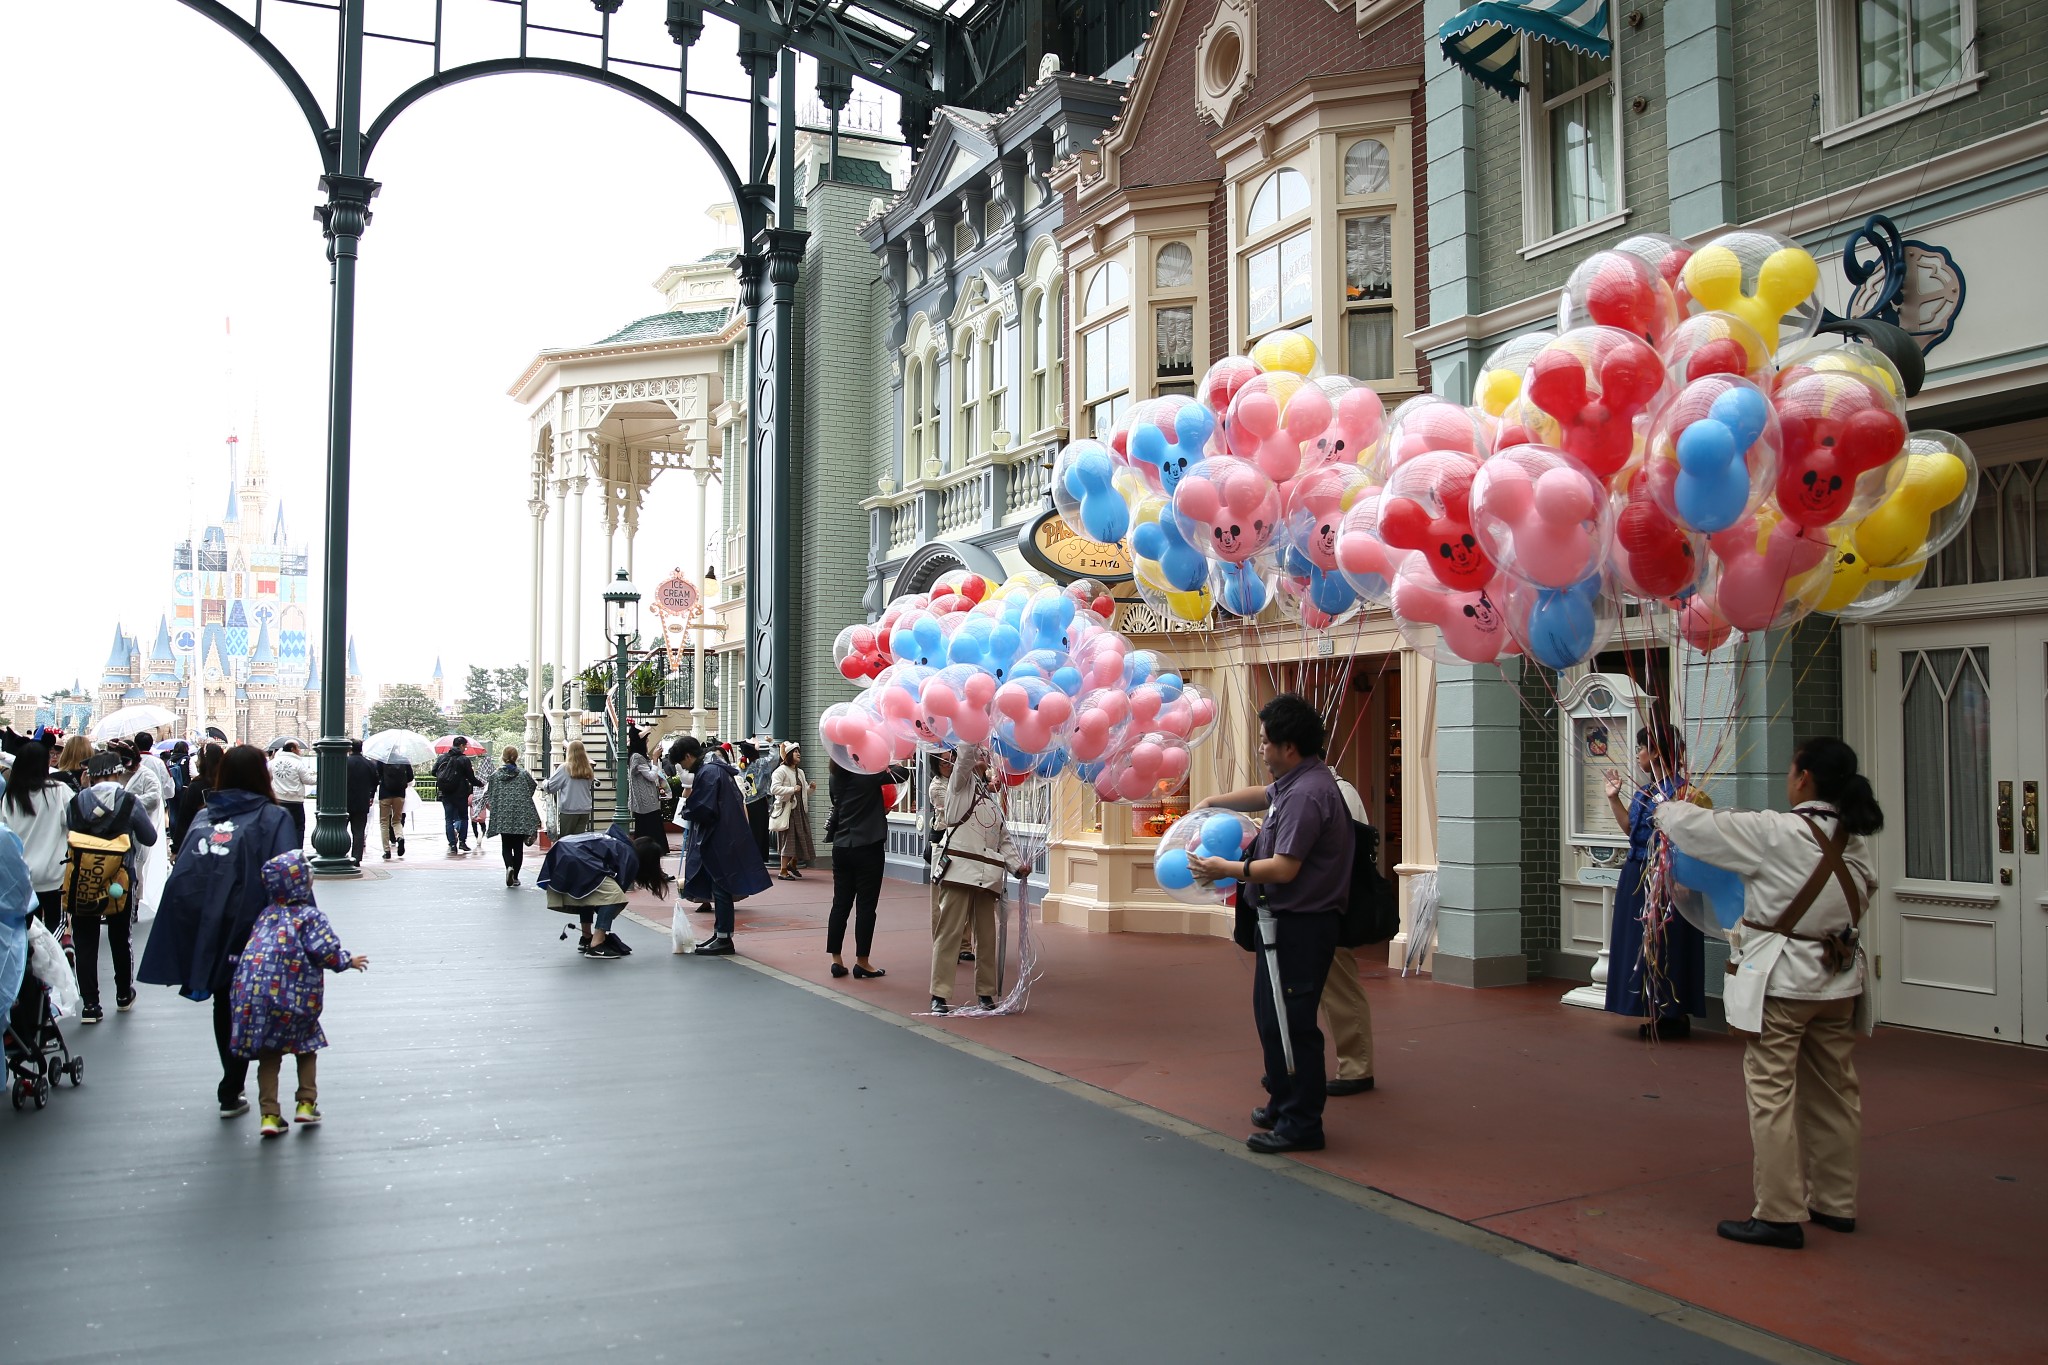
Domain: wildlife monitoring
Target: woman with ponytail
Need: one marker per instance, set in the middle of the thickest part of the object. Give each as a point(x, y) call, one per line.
point(1795, 983)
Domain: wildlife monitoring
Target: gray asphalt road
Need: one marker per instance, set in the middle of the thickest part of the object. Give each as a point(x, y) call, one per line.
point(532, 1157)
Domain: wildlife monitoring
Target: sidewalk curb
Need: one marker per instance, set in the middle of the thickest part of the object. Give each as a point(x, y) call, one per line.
point(1686, 1316)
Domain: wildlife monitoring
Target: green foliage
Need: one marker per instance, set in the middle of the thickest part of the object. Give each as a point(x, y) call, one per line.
point(406, 707)
point(481, 694)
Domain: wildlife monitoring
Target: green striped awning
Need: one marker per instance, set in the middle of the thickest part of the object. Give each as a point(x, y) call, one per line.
point(1486, 39)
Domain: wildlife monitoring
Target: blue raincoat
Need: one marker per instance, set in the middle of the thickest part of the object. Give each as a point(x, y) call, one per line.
point(17, 903)
point(214, 893)
point(721, 844)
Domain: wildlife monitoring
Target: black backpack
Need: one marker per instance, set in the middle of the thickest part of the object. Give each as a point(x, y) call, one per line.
point(1372, 912)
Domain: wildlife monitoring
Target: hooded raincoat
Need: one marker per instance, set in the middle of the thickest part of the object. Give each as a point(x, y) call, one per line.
point(215, 893)
point(721, 844)
point(278, 990)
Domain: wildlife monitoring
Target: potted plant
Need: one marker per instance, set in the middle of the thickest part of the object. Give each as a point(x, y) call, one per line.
point(593, 688)
point(646, 684)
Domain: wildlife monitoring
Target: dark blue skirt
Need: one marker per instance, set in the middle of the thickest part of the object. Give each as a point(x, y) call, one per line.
point(1682, 954)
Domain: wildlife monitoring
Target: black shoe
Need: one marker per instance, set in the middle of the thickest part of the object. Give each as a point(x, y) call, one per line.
point(718, 945)
point(464, 848)
point(939, 1005)
point(401, 845)
point(1352, 1087)
point(607, 951)
point(967, 954)
point(93, 1014)
point(1272, 1143)
point(1667, 1030)
point(839, 970)
point(387, 855)
point(612, 940)
point(988, 1002)
point(511, 877)
point(1758, 1233)
point(1832, 1222)
point(125, 1001)
point(1262, 1117)
point(861, 973)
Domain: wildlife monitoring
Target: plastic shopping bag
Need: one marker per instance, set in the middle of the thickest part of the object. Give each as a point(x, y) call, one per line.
point(46, 959)
point(679, 931)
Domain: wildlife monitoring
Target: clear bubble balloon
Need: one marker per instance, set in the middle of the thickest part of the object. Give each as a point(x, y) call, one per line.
point(1926, 501)
point(855, 737)
point(1448, 625)
point(1084, 492)
point(1427, 507)
point(1840, 428)
point(1200, 834)
point(1545, 520)
point(858, 653)
point(1583, 394)
point(1165, 437)
point(1618, 289)
point(1228, 509)
point(1654, 559)
point(1716, 343)
point(1151, 766)
point(1315, 508)
point(1426, 423)
point(1285, 351)
point(1563, 627)
point(1366, 561)
point(1222, 380)
point(1766, 280)
point(1357, 420)
point(1712, 453)
point(1274, 420)
point(1766, 572)
point(1243, 590)
point(1666, 256)
point(1499, 382)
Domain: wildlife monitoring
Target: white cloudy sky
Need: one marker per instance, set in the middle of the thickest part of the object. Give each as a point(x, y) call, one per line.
point(160, 180)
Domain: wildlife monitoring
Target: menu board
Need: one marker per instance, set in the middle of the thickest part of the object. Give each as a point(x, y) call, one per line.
point(1600, 745)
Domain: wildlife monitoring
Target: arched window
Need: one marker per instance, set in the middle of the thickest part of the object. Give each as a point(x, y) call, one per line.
point(1282, 194)
point(966, 400)
point(1174, 267)
point(1053, 340)
point(1109, 286)
point(995, 385)
point(913, 419)
point(1366, 167)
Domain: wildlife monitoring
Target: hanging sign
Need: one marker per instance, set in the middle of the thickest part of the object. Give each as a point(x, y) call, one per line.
point(1051, 546)
point(675, 596)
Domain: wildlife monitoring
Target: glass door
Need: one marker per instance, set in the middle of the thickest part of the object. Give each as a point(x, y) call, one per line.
point(1947, 953)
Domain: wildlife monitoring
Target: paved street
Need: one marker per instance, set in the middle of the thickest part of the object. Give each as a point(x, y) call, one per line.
point(529, 1156)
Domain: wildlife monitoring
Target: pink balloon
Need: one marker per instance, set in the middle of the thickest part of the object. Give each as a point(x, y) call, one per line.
point(1173, 765)
point(1145, 704)
point(1198, 499)
point(1056, 708)
point(1145, 758)
point(1562, 497)
point(980, 689)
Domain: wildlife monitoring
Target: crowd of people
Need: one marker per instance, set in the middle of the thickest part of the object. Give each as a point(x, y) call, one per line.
point(82, 829)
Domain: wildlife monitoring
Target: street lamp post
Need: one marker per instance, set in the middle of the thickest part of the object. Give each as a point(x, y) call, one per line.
point(622, 619)
point(710, 578)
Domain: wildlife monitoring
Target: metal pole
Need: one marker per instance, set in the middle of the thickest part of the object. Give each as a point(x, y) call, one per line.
point(344, 217)
point(619, 809)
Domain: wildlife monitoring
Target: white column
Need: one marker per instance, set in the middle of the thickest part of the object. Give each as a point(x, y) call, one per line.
point(703, 472)
point(538, 506)
point(577, 483)
point(556, 715)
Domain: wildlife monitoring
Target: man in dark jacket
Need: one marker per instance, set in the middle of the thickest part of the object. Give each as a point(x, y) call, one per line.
point(363, 779)
point(392, 780)
point(721, 861)
point(454, 780)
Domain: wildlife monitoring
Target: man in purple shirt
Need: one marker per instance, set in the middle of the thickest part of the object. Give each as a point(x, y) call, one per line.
point(1300, 869)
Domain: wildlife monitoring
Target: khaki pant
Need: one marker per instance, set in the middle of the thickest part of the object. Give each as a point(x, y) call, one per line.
point(954, 910)
point(1348, 1017)
point(267, 1065)
point(391, 820)
point(1805, 1111)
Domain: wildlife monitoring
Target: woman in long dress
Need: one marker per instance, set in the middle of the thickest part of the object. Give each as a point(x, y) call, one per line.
point(791, 817)
point(1656, 962)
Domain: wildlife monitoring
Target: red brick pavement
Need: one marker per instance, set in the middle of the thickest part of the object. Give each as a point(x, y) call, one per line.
point(1551, 1125)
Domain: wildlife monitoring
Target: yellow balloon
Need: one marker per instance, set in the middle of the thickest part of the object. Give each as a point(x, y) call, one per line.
point(1897, 527)
point(1190, 606)
point(1788, 276)
point(1285, 350)
point(1852, 572)
point(1497, 390)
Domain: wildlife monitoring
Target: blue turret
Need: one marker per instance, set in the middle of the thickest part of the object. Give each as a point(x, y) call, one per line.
point(117, 658)
point(263, 653)
point(163, 663)
point(312, 671)
point(354, 669)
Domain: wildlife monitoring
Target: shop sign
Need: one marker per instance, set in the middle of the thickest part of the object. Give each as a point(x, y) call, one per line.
point(1599, 720)
point(1051, 546)
point(675, 596)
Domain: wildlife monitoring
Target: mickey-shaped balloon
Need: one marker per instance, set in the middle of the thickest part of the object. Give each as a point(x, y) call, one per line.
point(1936, 477)
point(1228, 509)
point(1315, 508)
point(1357, 418)
point(1084, 490)
point(1766, 573)
point(1765, 280)
point(1168, 439)
point(1156, 536)
point(1242, 589)
point(1544, 517)
point(1562, 627)
point(1592, 383)
point(1034, 715)
point(859, 653)
point(1617, 289)
point(1427, 507)
point(1838, 427)
point(1464, 627)
point(1653, 557)
point(1722, 435)
point(1273, 419)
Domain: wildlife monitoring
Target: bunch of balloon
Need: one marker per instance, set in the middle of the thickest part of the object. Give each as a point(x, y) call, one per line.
point(1032, 672)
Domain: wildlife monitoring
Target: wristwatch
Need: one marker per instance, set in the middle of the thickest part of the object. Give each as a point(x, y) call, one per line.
point(1247, 870)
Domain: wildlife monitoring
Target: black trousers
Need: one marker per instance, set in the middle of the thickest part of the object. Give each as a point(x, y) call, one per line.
point(50, 905)
point(757, 820)
point(358, 833)
point(297, 811)
point(650, 825)
point(1306, 945)
point(856, 887)
point(514, 847)
point(85, 942)
point(234, 1071)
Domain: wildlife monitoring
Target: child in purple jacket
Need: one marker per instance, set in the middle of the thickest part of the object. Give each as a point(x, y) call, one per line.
point(278, 988)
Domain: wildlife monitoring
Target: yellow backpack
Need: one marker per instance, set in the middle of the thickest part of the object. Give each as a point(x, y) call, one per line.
point(96, 880)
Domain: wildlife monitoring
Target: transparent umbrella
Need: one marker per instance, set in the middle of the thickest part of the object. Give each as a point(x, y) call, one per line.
point(399, 746)
point(283, 740)
point(130, 721)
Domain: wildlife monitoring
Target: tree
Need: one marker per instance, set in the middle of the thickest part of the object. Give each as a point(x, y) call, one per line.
point(406, 707)
point(511, 686)
point(480, 695)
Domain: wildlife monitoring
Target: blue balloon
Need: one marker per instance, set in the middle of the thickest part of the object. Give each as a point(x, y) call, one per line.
point(1722, 888)
point(1222, 836)
point(1149, 540)
point(1329, 593)
point(1744, 412)
point(1169, 685)
point(1194, 425)
point(1170, 869)
point(1068, 680)
point(1563, 625)
point(1239, 588)
point(1712, 488)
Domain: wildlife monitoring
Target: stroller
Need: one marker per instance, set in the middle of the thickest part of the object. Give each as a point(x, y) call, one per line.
point(36, 1051)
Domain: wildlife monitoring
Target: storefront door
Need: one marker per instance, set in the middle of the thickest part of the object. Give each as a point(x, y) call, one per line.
point(1960, 762)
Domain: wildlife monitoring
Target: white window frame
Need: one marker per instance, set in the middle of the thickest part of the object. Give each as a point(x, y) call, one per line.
point(1160, 297)
point(1100, 323)
point(1274, 237)
point(921, 429)
point(1841, 77)
point(1538, 235)
point(966, 399)
point(1385, 204)
point(995, 384)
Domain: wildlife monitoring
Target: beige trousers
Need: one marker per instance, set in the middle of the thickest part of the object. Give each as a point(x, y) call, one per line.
point(1805, 1109)
point(1348, 1017)
point(954, 910)
point(390, 819)
point(267, 1066)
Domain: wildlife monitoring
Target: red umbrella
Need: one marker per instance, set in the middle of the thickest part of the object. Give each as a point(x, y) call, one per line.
point(447, 742)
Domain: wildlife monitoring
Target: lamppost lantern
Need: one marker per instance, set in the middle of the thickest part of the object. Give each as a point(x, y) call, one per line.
point(710, 582)
point(622, 603)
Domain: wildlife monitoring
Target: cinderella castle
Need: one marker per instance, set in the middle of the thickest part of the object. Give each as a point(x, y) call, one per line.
point(234, 651)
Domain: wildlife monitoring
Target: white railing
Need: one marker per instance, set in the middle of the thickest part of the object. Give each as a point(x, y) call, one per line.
point(960, 506)
point(903, 530)
point(1025, 489)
